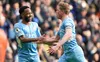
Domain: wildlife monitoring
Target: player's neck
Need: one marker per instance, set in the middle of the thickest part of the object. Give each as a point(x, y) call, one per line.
point(64, 16)
point(26, 23)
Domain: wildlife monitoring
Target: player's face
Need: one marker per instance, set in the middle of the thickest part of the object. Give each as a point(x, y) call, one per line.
point(27, 15)
point(59, 13)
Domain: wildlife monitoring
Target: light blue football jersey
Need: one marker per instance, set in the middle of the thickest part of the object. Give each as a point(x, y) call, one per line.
point(68, 45)
point(72, 51)
point(29, 31)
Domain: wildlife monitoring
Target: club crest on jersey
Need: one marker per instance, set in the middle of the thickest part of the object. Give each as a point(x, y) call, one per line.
point(17, 30)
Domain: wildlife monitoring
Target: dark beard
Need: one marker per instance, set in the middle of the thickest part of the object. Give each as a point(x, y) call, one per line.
point(27, 19)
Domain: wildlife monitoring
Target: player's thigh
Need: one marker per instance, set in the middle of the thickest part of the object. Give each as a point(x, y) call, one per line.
point(62, 58)
point(35, 59)
point(22, 59)
point(78, 55)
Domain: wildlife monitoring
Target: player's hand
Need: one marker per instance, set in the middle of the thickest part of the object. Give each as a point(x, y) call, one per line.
point(44, 38)
point(41, 39)
point(54, 48)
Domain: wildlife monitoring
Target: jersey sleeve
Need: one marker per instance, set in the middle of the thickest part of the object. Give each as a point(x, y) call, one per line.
point(68, 25)
point(18, 31)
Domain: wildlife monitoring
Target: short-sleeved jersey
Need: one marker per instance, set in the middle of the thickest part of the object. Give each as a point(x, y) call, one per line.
point(71, 43)
point(29, 31)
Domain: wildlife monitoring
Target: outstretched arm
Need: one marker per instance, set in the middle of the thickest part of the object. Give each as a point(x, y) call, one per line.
point(24, 39)
point(50, 40)
point(20, 34)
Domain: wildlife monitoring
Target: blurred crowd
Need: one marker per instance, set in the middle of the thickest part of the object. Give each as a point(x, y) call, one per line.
point(85, 13)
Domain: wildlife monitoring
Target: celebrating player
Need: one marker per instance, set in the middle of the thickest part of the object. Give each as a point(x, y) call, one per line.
point(66, 37)
point(27, 34)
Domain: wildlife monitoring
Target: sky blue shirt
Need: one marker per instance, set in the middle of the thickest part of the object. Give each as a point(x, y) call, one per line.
point(29, 31)
point(71, 43)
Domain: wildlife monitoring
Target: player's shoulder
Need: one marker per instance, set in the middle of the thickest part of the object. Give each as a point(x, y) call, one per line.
point(68, 20)
point(17, 25)
point(34, 23)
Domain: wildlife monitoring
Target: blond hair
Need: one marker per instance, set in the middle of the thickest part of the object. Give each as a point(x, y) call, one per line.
point(65, 7)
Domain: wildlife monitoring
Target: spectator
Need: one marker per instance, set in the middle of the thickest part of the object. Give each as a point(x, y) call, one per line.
point(3, 45)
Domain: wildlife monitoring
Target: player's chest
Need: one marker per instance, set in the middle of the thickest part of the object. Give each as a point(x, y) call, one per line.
point(29, 29)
